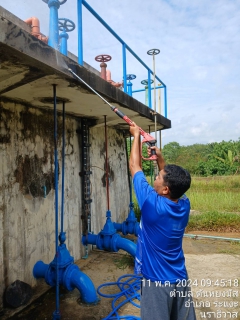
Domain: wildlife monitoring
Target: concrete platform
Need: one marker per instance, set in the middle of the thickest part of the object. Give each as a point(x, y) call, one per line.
point(29, 68)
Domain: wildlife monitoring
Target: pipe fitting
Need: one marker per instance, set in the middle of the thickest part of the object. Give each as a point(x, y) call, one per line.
point(111, 243)
point(75, 278)
point(127, 227)
point(70, 275)
point(54, 3)
point(34, 23)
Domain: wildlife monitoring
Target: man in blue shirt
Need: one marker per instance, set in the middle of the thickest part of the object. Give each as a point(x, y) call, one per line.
point(166, 292)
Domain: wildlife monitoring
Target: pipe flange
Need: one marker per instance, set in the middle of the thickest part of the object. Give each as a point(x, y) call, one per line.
point(67, 276)
point(50, 276)
point(113, 242)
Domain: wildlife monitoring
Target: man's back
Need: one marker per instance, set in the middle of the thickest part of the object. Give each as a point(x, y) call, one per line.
point(161, 231)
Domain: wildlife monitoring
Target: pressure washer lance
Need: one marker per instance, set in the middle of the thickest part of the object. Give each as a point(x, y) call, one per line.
point(147, 138)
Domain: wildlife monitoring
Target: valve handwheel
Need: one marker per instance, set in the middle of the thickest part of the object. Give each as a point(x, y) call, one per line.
point(66, 25)
point(62, 2)
point(145, 82)
point(130, 76)
point(103, 58)
point(153, 52)
point(59, 1)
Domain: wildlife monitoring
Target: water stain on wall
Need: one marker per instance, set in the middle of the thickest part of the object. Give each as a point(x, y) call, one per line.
point(4, 129)
point(110, 175)
point(31, 178)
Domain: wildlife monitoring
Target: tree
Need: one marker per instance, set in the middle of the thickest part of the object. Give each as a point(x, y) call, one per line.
point(171, 151)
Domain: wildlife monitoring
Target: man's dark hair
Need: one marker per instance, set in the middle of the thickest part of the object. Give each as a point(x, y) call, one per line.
point(177, 179)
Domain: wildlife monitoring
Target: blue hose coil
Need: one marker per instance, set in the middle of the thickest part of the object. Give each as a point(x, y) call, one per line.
point(129, 289)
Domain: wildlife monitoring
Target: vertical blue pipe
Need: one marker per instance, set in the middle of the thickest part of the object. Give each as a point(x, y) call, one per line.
point(56, 314)
point(63, 165)
point(129, 86)
point(165, 101)
point(130, 146)
point(63, 46)
point(149, 90)
point(80, 33)
point(53, 24)
point(124, 67)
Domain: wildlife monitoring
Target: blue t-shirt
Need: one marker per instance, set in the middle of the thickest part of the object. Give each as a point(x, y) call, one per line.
point(159, 255)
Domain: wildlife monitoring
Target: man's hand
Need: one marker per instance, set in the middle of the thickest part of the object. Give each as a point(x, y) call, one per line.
point(134, 130)
point(158, 152)
point(160, 160)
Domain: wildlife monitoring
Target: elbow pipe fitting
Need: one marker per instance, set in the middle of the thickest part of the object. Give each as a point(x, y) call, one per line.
point(70, 276)
point(111, 243)
point(75, 278)
point(126, 245)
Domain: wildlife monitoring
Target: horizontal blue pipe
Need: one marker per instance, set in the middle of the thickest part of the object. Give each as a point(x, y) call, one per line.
point(119, 243)
point(117, 37)
point(39, 270)
point(118, 226)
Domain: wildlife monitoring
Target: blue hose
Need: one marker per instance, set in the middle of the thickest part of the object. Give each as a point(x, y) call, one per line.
point(128, 289)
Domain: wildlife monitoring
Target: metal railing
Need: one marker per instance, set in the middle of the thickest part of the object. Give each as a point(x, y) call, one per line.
point(54, 39)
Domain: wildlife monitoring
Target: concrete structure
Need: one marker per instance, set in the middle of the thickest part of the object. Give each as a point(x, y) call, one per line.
point(28, 69)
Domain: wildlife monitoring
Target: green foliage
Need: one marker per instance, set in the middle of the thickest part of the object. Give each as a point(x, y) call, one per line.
point(221, 158)
point(171, 151)
point(218, 158)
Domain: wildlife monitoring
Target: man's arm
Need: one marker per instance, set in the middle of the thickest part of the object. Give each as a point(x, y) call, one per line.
point(135, 160)
point(160, 160)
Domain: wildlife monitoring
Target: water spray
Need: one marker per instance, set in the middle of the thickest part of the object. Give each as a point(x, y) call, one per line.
point(147, 138)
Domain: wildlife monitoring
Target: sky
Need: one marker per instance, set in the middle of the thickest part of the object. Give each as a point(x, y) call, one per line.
point(199, 60)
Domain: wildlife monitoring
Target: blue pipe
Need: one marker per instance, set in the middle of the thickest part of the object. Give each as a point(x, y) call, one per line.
point(129, 86)
point(124, 67)
point(53, 40)
point(130, 225)
point(165, 101)
point(56, 314)
point(77, 279)
point(63, 43)
point(70, 276)
point(149, 91)
point(62, 235)
point(80, 32)
point(111, 243)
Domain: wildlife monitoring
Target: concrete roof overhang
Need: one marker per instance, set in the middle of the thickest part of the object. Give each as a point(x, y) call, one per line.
point(29, 68)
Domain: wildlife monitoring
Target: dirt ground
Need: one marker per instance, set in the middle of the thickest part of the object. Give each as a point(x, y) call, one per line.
point(213, 268)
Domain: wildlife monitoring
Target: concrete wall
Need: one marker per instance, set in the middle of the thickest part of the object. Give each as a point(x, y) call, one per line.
point(118, 182)
point(27, 218)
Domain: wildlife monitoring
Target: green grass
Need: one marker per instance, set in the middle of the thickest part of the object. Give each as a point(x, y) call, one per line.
point(214, 221)
point(217, 201)
point(215, 194)
point(124, 262)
